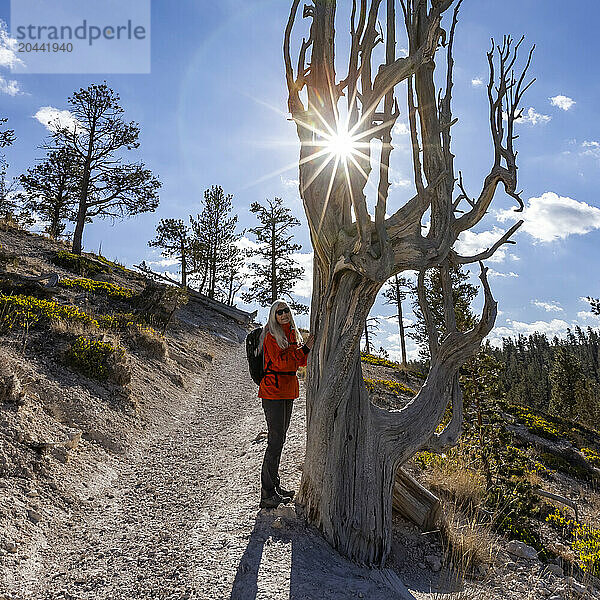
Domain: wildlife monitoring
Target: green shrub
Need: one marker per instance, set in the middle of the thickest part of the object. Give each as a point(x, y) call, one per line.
point(371, 359)
point(98, 360)
point(113, 264)
point(535, 423)
point(592, 456)
point(98, 287)
point(393, 387)
point(78, 264)
point(26, 311)
point(585, 540)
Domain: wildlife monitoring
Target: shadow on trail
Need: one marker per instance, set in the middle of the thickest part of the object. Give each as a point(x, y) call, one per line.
point(292, 553)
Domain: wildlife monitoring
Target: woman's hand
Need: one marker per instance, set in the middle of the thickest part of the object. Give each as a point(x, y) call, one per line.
point(310, 341)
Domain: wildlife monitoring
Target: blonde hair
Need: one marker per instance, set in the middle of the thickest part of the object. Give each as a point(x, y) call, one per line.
point(275, 329)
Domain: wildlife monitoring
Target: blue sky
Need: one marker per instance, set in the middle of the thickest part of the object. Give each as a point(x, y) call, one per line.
point(212, 111)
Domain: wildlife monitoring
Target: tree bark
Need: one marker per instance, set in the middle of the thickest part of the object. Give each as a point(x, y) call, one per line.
point(354, 448)
point(80, 223)
point(183, 266)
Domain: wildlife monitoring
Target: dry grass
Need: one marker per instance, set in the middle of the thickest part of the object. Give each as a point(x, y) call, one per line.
point(149, 341)
point(63, 327)
point(468, 542)
point(456, 480)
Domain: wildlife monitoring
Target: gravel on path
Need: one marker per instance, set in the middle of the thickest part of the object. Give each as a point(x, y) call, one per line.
point(178, 518)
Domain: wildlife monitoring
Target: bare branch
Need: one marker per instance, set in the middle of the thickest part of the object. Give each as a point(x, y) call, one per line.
point(295, 105)
point(506, 91)
point(449, 436)
point(416, 151)
point(390, 75)
point(462, 260)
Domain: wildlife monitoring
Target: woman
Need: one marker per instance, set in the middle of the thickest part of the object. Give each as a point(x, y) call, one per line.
point(283, 354)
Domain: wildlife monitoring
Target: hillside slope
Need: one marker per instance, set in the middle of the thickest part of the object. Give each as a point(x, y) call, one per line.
point(147, 485)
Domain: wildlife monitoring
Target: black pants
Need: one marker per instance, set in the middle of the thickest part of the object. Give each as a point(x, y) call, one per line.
point(278, 414)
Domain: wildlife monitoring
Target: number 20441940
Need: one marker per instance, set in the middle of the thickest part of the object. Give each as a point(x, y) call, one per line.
point(47, 47)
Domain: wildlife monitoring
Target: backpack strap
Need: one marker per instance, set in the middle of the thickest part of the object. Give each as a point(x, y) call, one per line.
point(269, 371)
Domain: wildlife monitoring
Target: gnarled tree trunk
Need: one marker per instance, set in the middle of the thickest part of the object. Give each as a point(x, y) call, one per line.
point(353, 447)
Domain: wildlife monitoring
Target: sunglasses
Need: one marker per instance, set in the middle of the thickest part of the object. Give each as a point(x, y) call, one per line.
point(282, 311)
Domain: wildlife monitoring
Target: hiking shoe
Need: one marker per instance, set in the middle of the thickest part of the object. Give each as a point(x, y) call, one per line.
point(285, 493)
point(273, 501)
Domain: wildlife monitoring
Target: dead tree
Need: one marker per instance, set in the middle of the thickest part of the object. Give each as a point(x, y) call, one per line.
point(354, 448)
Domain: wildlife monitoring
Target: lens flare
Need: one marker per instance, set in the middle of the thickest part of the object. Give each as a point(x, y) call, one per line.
point(341, 144)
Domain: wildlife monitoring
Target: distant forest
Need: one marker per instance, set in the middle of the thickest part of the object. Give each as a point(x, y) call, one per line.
point(558, 376)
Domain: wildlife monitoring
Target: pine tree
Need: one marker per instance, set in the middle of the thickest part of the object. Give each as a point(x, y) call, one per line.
point(109, 188)
point(371, 326)
point(51, 188)
point(13, 207)
point(566, 378)
point(233, 275)
point(214, 233)
point(9, 201)
point(394, 293)
point(173, 236)
point(7, 136)
point(275, 271)
point(462, 292)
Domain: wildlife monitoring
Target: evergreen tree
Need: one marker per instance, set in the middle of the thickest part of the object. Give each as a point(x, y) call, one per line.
point(233, 276)
point(595, 304)
point(7, 136)
point(275, 271)
point(462, 292)
point(394, 293)
point(214, 234)
point(371, 326)
point(51, 188)
point(109, 188)
point(173, 237)
point(13, 207)
point(566, 378)
point(9, 204)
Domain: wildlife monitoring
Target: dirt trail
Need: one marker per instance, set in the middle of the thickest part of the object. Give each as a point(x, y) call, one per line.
point(179, 517)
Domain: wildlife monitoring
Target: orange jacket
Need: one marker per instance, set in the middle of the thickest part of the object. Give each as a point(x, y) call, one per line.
point(282, 386)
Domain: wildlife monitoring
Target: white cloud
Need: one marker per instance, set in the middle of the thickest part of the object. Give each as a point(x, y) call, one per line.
point(400, 129)
point(552, 306)
point(245, 243)
point(399, 182)
point(492, 273)
point(588, 315)
point(289, 182)
point(551, 328)
point(552, 217)
point(165, 262)
point(554, 327)
point(563, 102)
point(52, 118)
point(476, 82)
point(530, 117)
point(303, 286)
point(8, 49)
point(470, 243)
point(591, 148)
point(9, 86)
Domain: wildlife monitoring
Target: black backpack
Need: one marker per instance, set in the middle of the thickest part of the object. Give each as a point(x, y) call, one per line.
point(256, 359)
point(255, 355)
